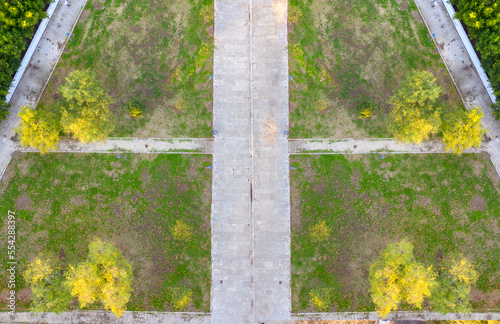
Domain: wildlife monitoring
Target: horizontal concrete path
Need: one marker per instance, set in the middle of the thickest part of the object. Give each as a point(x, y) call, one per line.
point(106, 317)
point(95, 317)
point(132, 145)
point(366, 146)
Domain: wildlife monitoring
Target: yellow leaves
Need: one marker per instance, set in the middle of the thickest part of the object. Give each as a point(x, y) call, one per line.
point(180, 104)
point(320, 231)
point(207, 14)
point(321, 105)
point(105, 276)
point(181, 298)
point(395, 277)
point(45, 278)
point(294, 14)
point(320, 298)
point(463, 130)
point(181, 231)
point(86, 112)
point(298, 54)
point(83, 283)
point(38, 269)
point(38, 129)
point(419, 282)
point(203, 54)
point(365, 113)
point(414, 117)
point(464, 271)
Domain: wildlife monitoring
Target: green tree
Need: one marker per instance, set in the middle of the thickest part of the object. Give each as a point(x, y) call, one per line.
point(21, 14)
point(104, 277)
point(463, 129)
point(38, 129)
point(452, 293)
point(4, 110)
point(85, 112)
point(414, 115)
point(45, 276)
point(17, 19)
point(397, 277)
point(483, 19)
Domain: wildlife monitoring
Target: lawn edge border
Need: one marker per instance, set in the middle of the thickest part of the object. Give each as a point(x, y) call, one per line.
point(401, 315)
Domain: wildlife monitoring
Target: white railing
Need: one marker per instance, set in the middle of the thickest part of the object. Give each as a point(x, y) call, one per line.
point(470, 50)
point(31, 49)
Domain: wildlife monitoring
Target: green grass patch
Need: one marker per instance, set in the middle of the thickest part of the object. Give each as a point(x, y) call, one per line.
point(156, 52)
point(442, 203)
point(63, 201)
point(343, 53)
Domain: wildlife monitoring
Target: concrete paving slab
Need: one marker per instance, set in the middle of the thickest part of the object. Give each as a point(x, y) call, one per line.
point(366, 146)
point(250, 174)
point(132, 145)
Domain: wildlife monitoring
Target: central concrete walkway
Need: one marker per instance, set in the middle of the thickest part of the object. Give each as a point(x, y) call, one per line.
point(250, 195)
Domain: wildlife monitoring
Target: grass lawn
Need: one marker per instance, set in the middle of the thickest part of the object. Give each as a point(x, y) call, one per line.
point(157, 52)
point(443, 204)
point(63, 201)
point(345, 52)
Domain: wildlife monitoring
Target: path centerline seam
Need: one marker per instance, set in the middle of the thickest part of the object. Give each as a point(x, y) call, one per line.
point(252, 212)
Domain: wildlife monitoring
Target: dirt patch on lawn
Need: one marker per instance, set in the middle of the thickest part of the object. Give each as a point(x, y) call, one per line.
point(24, 166)
point(478, 203)
point(23, 202)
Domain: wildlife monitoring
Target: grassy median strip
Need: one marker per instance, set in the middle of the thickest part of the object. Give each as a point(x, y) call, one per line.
point(346, 209)
point(157, 53)
point(344, 54)
point(154, 208)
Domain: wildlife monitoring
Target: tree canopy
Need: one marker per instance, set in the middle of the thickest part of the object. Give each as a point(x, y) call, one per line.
point(17, 19)
point(104, 277)
point(38, 129)
point(415, 116)
point(85, 112)
point(397, 277)
point(452, 294)
point(483, 19)
point(49, 293)
point(463, 129)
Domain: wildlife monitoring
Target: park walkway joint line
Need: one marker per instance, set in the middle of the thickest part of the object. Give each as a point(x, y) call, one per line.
point(250, 206)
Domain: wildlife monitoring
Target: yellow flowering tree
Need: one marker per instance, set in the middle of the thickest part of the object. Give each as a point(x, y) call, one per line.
point(104, 277)
point(414, 115)
point(45, 277)
point(38, 129)
point(463, 130)
point(397, 277)
point(452, 294)
point(85, 112)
